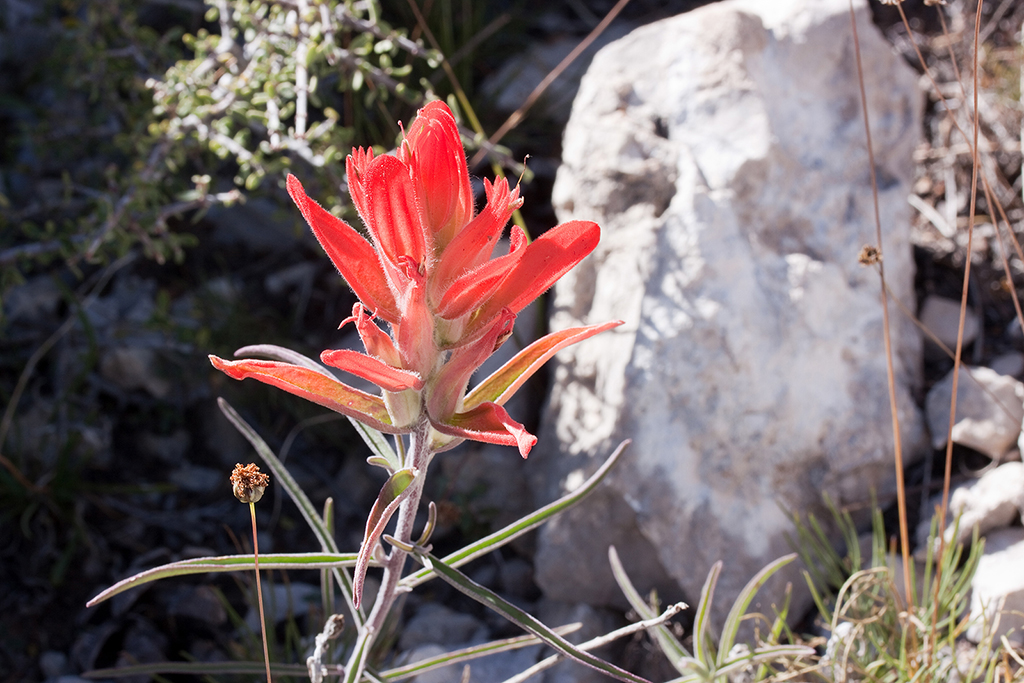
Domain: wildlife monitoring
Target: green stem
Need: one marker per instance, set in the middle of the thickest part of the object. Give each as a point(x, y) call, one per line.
point(417, 457)
point(259, 588)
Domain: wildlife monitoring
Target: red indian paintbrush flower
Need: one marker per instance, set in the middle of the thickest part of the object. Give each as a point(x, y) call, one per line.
point(428, 272)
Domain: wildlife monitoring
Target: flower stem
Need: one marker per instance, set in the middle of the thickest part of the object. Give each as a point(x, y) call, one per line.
point(259, 588)
point(417, 457)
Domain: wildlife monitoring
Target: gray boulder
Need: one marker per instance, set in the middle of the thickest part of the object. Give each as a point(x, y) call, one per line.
point(723, 153)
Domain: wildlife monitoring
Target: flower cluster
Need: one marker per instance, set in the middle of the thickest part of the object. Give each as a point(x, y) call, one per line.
point(428, 271)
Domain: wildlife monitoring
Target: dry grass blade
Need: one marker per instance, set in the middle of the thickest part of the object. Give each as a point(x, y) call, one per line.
point(886, 329)
point(519, 114)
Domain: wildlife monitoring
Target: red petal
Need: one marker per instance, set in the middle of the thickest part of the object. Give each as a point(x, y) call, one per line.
point(471, 290)
point(450, 383)
point(316, 387)
point(474, 243)
point(500, 386)
point(353, 256)
point(546, 259)
point(433, 150)
point(372, 369)
point(488, 422)
point(392, 212)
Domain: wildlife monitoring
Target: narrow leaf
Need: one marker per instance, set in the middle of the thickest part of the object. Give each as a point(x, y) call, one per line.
point(313, 386)
point(739, 607)
point(373, 438)
point(285, 355)
point(600, 641)
point(377, 444)
point(702, 621)
point(298, 496)
point(490, 599)
point(500, 386)
point(523, 525)
point(668, 643)
point(228, 563)
point(470, 653)
point(200, 668)
point(390, 497)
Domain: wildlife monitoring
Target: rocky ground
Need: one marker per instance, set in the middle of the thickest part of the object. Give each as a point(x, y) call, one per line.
point(125, 456)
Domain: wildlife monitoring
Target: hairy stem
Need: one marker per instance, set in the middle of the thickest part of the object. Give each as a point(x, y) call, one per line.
point(417, 457)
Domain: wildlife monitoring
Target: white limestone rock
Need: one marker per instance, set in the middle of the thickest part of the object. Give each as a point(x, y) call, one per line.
point(998, 588)
point(989, 410)
point(723, 153)
point(993, 501)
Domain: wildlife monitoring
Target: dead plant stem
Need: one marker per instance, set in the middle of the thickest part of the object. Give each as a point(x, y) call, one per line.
point(886, 333)
point(947, 470)
point(259, 588)
point(519, 114)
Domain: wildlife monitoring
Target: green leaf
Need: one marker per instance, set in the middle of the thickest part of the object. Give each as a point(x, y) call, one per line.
point(490, 599)
point(377, 444)
point(702, 649)
point(467, 654)
point(600, 641)
point(298, 496)
point(228, 563)
point(391, 495)
point(520, 527)
point(739, 607)
point(668, 643)
point(200, 668)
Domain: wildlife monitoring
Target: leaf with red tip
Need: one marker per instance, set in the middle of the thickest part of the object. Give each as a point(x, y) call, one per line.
point(505, 381)
point(372, 369)
point(394, 491)
point(546, 259)
point(490, 423)
point(353, 256)
point(316, 387)
point(471, 290)
point(393, 212)
point(474, 243)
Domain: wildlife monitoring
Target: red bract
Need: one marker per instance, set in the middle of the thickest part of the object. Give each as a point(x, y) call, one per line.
point(427, 270)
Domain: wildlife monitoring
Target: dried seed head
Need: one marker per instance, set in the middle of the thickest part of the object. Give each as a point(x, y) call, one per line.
point(248, 483)
point(869, 255)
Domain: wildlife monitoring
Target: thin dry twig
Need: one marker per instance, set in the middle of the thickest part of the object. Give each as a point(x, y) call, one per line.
point(519, 114)
point(886, 333)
